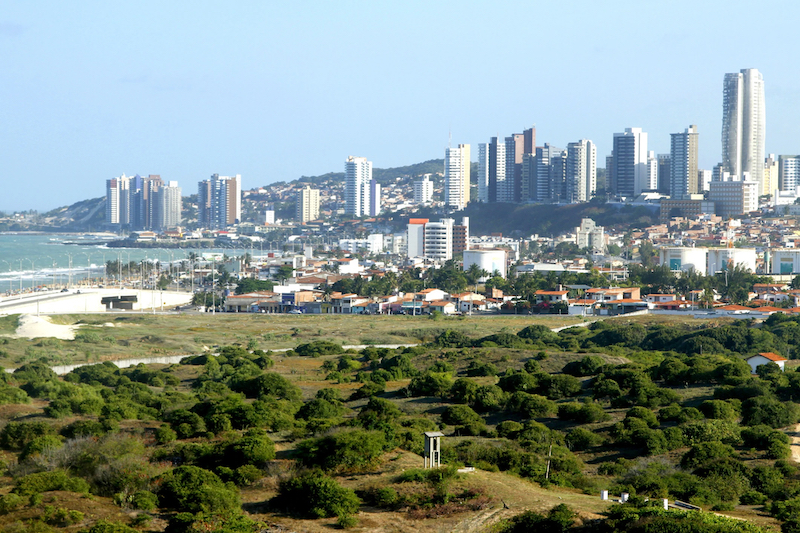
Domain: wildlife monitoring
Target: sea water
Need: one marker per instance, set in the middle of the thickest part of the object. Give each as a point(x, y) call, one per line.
point(31, 261)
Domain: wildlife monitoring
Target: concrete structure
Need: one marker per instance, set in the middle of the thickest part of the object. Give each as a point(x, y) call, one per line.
point(784, 261)
point(415, 237)
point(789, 172)
point(590, 235)
point(720, 258)
point(169, 203)
point(684, 259)
point(683, 163)
point(630, 171)
point(488, 260)
point(581, 171)
point(492, 171)
point(432, 451)
point(423, 190)
point(704, 178)
point(374, 195)
point(744, 124)
point(688, 208)
point(439, 239)
point(733, 198)
point(663, 173)
point(219, 201)
point(307, 206)
point(770, 183)
point(357, 176)
point(457, 177)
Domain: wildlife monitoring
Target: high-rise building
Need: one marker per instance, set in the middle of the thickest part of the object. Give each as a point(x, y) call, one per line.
point(789, 172)
point(219, 201)
point(501, 174)
point(771, 182)
point(168, 202)
point(683, 163)
point(423, 190)
point(546, 173)
point(630, 171)
point(437, 240)
point(581, 171)
point(743, 124)
point(590, 236)
point(704, 177)
point(734, 197)
point(114, 204)
point(373, 193)
point(357, 175)
point(663, 173)
point(457, 177)
point(307, 206)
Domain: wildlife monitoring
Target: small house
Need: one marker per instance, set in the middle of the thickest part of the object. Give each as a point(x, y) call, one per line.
point(764, 358)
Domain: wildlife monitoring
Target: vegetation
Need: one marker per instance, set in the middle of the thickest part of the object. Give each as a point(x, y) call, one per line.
point(655, 408)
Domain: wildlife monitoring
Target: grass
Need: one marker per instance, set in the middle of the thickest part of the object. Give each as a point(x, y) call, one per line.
point(122, 336)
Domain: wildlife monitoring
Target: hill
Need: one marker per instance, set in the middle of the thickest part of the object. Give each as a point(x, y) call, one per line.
point(384, 175)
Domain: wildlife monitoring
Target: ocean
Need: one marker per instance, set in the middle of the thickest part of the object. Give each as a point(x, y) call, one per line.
point(29, 261)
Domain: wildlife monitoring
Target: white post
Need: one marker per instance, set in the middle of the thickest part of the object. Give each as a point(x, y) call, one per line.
point(604, 495)
point(624, 497)
point(666, 504)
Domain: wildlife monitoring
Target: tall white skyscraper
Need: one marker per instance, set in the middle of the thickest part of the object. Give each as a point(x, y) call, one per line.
point(168, 206)
point(630, 174)
point(423, 190)
point(683, 164)
point(581, 172)
point(357, 175)
point(744, 124)
point(457, 176)
point(307, 206)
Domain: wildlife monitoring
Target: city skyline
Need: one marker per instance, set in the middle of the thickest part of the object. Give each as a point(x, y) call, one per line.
point(95, 89)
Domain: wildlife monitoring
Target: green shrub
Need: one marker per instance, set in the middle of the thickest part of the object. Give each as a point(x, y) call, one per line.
point(165, 435)
point(582, 439)
point(315, 495)
point(460, 415)
point(144, 500)
point(15, 435)
point(352, 450)
point(47, 481)
point(39, 445)
point(319, 348)
point(194, 489)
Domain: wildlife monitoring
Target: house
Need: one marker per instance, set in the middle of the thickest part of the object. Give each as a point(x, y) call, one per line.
point(659, 298)
point(550, 296)
point(613, 293)
point(764, 358)
point(443, 306)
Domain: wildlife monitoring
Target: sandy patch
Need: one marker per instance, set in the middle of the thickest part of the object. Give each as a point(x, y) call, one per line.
point(32, 326)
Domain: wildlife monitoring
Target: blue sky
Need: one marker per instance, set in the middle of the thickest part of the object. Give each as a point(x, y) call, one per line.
point(275, 90)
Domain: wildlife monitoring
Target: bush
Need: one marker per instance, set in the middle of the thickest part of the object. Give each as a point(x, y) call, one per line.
point(458, 415)
point(47, 481)
point(254, 448)
point(315, 495)
point(194, 489)
point(15, 435)
point(144, 500)
point(581, 439)
point(347, 450)
point(531, 405)
point(319, 348)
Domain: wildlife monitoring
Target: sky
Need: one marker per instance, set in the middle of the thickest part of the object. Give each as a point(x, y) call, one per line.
point(276, 90)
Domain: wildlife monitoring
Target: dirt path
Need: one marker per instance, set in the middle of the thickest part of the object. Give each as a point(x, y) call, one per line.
point(795, 436)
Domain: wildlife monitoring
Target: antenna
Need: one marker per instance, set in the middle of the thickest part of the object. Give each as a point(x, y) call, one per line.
point(449, 137)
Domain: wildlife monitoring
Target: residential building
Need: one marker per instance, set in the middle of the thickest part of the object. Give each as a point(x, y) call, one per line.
point(686, 207)
point(423, 190)
point(169, 203)
point(115, 215)
point(374, 195)
point(439, 239)
point(789, 172)
point(771, 181)
point(492, 171)
point(546, 174)
point(744, 124)
point(500, 168)
point(663, 173)
point(590, 235)
point(630, 171)
point(683, 163)
point(307, 205)
point(357, 176)
point(704, 178)
point(733, 198)
point(581, 171)
point(457, 177)
point(219, 201)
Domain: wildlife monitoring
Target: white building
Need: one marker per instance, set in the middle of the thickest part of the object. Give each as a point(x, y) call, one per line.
point(733, 198)
point(357, 176)
point(581, 179)
point(720, 258)
point(170, 202)
point(457, 177)
point(784, 261)
point(439, 239)
point(789, 172)
point(307, 206)
point(744, 124)
point(590, 235)
point(704, 180)
point(374, 194)
point(423, 190)
point(488, 260)
point(492, 172)
point(684, 259)
point(415, 237)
